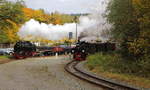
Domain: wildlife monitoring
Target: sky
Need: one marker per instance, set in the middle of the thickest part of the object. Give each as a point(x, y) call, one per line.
point(62, 6)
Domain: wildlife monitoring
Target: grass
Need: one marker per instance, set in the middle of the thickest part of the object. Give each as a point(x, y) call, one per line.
point(113, 66)
point(4, 57)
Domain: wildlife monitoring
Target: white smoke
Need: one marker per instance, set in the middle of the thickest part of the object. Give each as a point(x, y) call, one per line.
point(33, 29)
point(92, 26)
point(101, 29)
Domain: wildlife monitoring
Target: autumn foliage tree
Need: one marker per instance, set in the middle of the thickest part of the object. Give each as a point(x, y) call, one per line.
point(131, 24)
point(141, 45)
point(11, 16)
point(38, 15)
point(52, 18)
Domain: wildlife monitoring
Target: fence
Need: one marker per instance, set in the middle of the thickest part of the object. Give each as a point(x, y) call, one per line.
point(6, 45)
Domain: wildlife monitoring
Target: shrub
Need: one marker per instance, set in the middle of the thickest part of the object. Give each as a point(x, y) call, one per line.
point(114, 63)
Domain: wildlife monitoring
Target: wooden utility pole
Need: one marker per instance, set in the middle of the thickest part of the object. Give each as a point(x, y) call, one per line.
point(76, 28)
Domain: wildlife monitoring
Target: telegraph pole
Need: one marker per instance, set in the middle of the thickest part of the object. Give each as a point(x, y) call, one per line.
point(76, 28)
point(76, 33)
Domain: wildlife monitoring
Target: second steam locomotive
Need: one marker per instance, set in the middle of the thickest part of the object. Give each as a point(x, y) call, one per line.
point(83, 49)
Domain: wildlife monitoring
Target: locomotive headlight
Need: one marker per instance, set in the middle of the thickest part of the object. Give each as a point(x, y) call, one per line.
point(73, 51)
point(83, 50)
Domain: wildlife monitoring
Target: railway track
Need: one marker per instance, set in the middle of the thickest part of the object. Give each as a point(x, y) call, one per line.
point(106, 84)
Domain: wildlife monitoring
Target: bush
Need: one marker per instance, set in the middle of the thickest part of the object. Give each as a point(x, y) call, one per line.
point(114, 63)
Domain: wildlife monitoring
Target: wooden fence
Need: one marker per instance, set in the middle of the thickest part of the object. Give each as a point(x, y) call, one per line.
point(6, 45)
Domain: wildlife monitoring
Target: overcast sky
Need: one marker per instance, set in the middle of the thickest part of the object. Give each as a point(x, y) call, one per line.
point(63, 6)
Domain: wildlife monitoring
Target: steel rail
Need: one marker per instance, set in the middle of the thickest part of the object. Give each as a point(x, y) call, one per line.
point(106, 84)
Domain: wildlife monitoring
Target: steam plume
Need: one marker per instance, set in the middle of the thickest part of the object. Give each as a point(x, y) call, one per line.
point(33, 29)
point(101, 29)
point(89, 27)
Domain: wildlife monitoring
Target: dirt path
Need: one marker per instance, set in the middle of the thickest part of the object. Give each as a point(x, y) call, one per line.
point(40, 74)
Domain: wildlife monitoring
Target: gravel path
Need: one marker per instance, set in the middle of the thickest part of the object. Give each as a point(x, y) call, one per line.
point(40, 74)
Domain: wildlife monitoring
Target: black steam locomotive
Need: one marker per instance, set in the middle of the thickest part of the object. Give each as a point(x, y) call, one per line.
point(82, 49)
point(23, 49)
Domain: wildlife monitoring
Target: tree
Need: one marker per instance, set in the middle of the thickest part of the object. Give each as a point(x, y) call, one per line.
point(141, 46)
point(131, 24)
point(10, 15)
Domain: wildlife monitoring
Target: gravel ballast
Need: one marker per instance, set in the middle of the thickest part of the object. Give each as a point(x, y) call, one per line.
point(45, 73)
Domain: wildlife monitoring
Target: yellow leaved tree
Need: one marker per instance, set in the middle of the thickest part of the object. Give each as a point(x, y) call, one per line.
point(11, 32)
point(141, 45)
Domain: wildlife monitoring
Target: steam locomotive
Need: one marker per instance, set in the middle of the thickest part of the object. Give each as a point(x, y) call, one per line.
point(24, 49)
point(83, 49)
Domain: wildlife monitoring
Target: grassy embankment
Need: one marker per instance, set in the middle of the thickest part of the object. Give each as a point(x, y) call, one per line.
point(5, 59)
point(136, 73)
